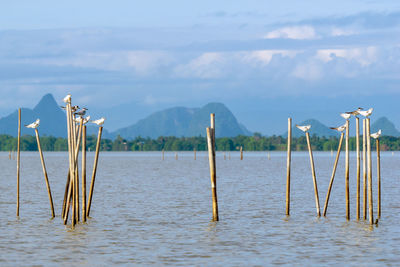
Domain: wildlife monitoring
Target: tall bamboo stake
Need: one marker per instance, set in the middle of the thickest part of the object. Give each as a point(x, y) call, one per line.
point(313, 174)
point(378, 168)
point(71, 169)
point(358, 167)
point(45, 173)
point(211, 159)
point(96, 158)
point(347, 172)
point(84, 173)
point(333, 174)
point(18, 157)
point(241, 153)
point(288, 159)
point(364, 169)
point(369, 166)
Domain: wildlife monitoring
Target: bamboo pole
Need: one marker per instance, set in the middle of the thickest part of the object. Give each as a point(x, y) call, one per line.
point(18, 157)
point(378, 168)
point(71, 169)
point(96, 158)
point(9, 154)
point(45, 173)
point(211, 159)
point(176, 155)
point(313, 175)
point(347, 172)
point(163, 154)
point(333, 174)
point(84, 173)
point(224, 155)
point(241, 153)
point(65, 195)
point(194, 153)
point(358, 167)
point(229, 155)
point(369, 167)
point(364, 169)
point(77, 145)
point(288, 159)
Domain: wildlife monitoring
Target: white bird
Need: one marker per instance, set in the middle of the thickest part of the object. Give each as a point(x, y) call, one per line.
point(81, 112)
point(345, 115)
point(33, 125)
point(85, 120)
point(355, 112)
point(377, 134)
point(304, 128)
point(67, 98)
point(340, 128)
point(99, 121)
point(366, 113)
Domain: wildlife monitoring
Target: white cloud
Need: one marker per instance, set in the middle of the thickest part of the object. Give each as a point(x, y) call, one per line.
point(341, 32)
point(294, 32)
point(310, 71)
point(207, 65)
point(364, 56)
point(265, 56)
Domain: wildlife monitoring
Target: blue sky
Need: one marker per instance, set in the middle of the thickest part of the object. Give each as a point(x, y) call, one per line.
point(125, 59)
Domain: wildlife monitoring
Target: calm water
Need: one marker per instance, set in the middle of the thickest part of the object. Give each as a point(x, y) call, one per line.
point(152, 212)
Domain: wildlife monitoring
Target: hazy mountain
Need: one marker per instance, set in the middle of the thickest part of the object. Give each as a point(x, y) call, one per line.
point(317, 128)
point(386, 126)
point(181, 121)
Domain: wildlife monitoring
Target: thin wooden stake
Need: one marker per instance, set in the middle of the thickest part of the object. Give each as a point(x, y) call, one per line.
point(288, 160)
point(176, 155)
point(163, 154)
point(211, 159)
point(241, 153)
point(84, 173)
point(45, 173)
point(378, 168)
point(364, 169)
point(369, 167)
point(313, 175)
point(347, 172)
point(358, 167)
point(224, 155)
point(333, 174)
point(96, 158)
point(18, 157)
point(194, 153)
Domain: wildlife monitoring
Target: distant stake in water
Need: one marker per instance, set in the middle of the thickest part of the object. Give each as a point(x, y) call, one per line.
point(18, 157)
point(241, 153)
point(305, 129)
point(45, 173)
point(176, 155)
point(333, 174)
point(288, 161)
point(194, 150)
point(163, 154)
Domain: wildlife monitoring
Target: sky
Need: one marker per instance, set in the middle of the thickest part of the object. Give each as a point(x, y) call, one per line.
point(265, 60)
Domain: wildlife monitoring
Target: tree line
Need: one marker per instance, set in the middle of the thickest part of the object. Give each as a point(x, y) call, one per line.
point(257, 142)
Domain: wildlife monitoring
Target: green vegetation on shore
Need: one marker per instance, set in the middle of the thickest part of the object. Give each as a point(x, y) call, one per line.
point(257, 142)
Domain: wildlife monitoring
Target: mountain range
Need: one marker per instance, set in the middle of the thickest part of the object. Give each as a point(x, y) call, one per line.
point(177, 121)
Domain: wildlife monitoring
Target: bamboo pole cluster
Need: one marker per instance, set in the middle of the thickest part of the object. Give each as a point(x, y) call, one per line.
point(367, 166)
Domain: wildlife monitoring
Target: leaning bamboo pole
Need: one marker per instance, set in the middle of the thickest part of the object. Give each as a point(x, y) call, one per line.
point(288, 159)
point(211, 159)
point(96, 158)
point(364, 169)
point(84, 173)
point(45, 173)
point(71, 168)
point(18, 157)
point(313, 175)
point(333, 174)
point(378, 169)
point(369, 167)
point(347, 172)
point(358, 167)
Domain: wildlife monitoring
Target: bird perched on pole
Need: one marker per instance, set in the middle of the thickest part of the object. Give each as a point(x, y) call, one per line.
point(366, 113)
point(34, 124)
point(67, 98)
point(99, 121)
point(339, 128)
point(81, 112)
point(377, 134)
point(345, 116)
point(354, 112)
point(85, 120)
point(304, 128)
point(73, 108)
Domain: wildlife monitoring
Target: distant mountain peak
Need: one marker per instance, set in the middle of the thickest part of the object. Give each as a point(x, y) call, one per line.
point(46, 103)
point(386, 126)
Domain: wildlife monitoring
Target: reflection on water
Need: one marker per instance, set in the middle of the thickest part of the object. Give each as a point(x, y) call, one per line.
point(148, 211)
